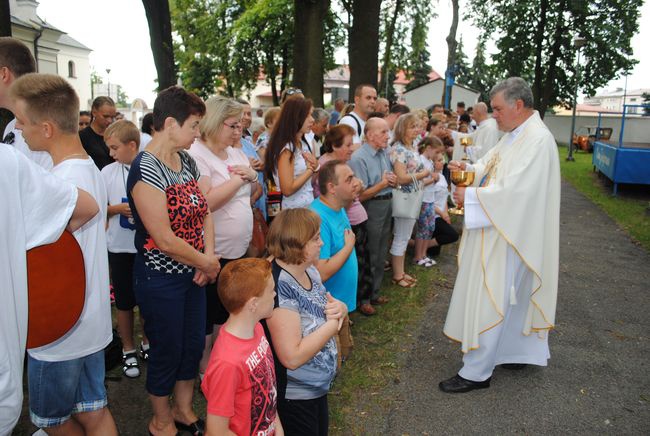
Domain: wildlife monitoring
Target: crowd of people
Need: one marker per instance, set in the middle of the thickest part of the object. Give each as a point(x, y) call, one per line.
point(171, 210)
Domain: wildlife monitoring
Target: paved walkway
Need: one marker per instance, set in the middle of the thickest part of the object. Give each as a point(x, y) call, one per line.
point(598, 378)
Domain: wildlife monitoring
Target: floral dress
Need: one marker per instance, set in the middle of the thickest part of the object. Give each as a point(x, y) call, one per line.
point(411, 160)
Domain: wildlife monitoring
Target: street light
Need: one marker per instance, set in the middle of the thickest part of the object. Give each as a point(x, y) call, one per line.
point(578, 43)
point(108, 76)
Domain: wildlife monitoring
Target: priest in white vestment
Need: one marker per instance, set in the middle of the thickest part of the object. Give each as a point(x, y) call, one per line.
point(504, 298)
point(484, 138)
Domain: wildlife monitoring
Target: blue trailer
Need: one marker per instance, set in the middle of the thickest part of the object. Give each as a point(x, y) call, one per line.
point(621, 161)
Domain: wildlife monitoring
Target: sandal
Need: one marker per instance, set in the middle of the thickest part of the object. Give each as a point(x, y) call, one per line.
point(130, 366)
point(387, 266)
point(144, 354)
point(403, 282)
point(197, 428)
point(409, 278)
point(424, 262)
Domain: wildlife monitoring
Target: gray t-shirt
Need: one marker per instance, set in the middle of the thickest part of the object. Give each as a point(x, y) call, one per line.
point(313, 378)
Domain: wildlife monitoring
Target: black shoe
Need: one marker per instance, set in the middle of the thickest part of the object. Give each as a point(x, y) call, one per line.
point(513, 366)
point(457, 384)
point(197, 428)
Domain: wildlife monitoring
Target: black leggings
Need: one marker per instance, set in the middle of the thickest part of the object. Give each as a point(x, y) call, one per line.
point(444, 233)
point(365, 277)
point(304, 417)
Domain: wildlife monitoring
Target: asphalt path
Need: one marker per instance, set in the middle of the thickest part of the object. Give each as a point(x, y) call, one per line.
point(598, 378)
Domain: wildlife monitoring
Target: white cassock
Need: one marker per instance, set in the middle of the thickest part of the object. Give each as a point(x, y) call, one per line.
point(484, 138)
point(505, 293)
point(37, 207)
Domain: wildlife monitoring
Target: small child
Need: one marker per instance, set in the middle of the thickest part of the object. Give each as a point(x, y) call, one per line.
point(239, 383)
point(443, 233)
point(426, 221)
point(123, 140)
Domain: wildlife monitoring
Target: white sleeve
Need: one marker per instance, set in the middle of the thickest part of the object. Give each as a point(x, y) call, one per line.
point(47, 203)
point(475, 217)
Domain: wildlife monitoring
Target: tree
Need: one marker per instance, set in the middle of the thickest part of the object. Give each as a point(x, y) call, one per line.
point(418, 59)
point(5, 18)
point(387, 72)
point(481, 75)
point(363, 42)
point(122, 98)
point(308, 53)
point(646, 101)
point(160, 32)
point(451, 50)
point(539, 35)
point(462, 65)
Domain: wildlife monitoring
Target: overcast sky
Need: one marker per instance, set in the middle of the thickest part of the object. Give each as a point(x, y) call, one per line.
point(117, 32)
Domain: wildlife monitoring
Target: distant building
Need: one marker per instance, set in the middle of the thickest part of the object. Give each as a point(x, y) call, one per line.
point(54, 50)
point(424, 96)
point(612, 101)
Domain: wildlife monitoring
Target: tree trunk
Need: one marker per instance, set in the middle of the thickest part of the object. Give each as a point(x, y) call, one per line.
point(451, 53)
point(160, 32)
point(308, 47)
point(285, 69)
point(363, 49)
point(539, 50)
point(5, 18)
point(385, 68)
point(271, 74)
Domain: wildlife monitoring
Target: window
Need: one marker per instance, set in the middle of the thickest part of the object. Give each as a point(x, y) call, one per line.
point(71, 69)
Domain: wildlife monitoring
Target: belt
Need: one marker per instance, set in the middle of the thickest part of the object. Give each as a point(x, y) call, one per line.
point(383, 197)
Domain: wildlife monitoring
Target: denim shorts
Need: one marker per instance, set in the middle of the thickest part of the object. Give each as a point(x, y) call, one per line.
point(60, 389)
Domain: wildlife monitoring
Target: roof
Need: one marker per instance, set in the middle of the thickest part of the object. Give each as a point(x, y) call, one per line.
point(440, 78)
point(66, 39)
point(620, 92)
point(402, 80)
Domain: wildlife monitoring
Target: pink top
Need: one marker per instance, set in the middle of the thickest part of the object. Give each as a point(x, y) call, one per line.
point(356, 212)
point(233, 222)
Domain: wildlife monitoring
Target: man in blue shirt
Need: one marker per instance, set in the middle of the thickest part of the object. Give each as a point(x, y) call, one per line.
point(338, 260)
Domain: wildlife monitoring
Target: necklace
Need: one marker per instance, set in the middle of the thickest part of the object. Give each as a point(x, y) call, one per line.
point(70, 156)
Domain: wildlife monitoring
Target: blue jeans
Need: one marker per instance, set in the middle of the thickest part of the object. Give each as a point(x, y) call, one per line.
point(60, 389)
point(174, 311)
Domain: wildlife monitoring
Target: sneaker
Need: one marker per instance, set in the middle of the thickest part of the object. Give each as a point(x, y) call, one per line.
point(424, 262)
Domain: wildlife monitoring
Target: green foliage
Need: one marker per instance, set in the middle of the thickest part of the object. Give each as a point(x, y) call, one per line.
point(646, 101)
point(534, 41)
point(95, 78)
point(122, 98)
point(482, 76)
point(463, 71)
point(418, 59)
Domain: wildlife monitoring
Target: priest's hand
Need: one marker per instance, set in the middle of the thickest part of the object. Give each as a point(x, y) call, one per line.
point(459, 196)
point(455, 165)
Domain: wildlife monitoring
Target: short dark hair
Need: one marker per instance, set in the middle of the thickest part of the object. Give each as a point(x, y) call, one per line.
point(147, 124)
point(84, 113)
point(376, 115)
point(436, 105)
point(16, 56)
point(460, 104)
point(101, 101)
point(177, 103)
point(359, 89)
point(327, 174)
point(399, 109)
point(335, 136)
point(432, 122)
point(465, 118)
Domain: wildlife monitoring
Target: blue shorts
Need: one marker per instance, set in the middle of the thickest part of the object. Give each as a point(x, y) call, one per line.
point(59, 389)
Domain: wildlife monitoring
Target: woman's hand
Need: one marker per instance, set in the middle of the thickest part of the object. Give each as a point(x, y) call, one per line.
point(200, 279)
point(211, 267)
point(335, 310)
point(445, 217)
point(311, 161)
point(247, 173)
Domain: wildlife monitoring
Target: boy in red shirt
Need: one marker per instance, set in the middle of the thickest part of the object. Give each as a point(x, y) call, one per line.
point(240, 380)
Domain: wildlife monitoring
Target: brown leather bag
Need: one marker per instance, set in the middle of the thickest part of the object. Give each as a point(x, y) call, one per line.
point(257, 247)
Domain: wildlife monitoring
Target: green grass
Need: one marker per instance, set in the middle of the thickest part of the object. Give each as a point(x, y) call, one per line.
point(628, 209)
point(379, 341)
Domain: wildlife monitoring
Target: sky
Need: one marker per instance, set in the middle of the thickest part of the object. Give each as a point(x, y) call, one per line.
point(118, 33)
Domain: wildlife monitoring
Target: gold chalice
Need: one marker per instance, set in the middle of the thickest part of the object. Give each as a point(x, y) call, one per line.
point(466, 141)
point(462, 179)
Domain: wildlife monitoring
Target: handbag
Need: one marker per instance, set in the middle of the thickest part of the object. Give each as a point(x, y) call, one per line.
point(257, 246)
point(408, 204)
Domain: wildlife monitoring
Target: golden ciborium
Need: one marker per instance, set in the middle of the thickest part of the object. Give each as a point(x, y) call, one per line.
point(462, 179)
point(466, 141)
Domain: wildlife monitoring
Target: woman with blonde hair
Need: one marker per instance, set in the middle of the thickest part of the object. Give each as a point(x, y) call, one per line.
point(227, 181)
point(407, 166)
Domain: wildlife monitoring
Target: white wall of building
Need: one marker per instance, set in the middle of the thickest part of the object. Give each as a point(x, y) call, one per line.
point(637, 129)
point(431, 93)
point(81, 79)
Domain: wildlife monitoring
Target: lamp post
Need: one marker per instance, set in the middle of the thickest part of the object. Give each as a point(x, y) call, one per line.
point(578, 43)
point(108, 76)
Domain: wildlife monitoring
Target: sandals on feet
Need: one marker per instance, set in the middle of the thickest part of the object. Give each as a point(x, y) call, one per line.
point(409, 278)
point(130, 366)
point(144, 354)
point(425, 262)
point(403, 282)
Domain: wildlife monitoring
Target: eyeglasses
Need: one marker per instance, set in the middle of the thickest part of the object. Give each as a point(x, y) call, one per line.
point(292, 91)
point(234, 126)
